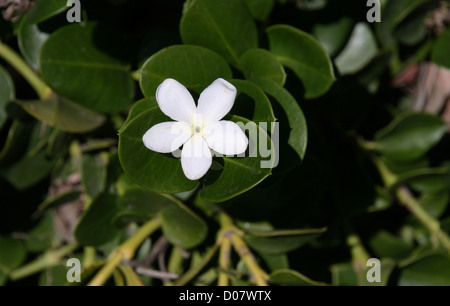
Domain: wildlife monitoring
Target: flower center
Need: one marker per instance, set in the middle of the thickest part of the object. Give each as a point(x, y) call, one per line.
point(197, 130)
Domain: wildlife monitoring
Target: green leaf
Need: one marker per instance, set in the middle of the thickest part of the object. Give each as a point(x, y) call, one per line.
point(303, 54)
point(63, 114)
point(240, 174)
point(359, 51)
point(410, 136)
point(384, 244)
point(344, 274)
point(275, 261)
point(143, 203)
point(96, 226)
point(54, 276)
point(262, 63)
point(42, 236)
point(433, 270)
point(151, 170)
point(260, 9)
point(71, 51)
point(224, 26)
point(31, 39)
point(182, 227)
point(333, 35)
point(138, 108)
point(263, 109)
point(93, 171)
point(194, 67)
point(427, 180)
point(281, 241)
point(440, 50)
point(6, 94)
point(29, 171)
point(42, 10)
point(298, 138)
point(12, 254)
point(286, 277)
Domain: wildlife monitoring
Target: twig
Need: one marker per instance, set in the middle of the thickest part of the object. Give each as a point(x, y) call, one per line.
point(155, 273)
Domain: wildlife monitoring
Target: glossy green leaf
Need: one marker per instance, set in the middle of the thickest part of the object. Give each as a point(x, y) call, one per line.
point(182, 227)
point(93, 174)
point(260, 9)
point(31, 39)
point(413, 29)
point(44, 9)
point(384, 244)
point(281, 241)
point(98, 219)
point(240, 174)
point(138, 108)
point(303, 54)
point(63, 114)
point(429, 271)
point(333, 35)
point(97, 71)
point(359, 51)
point(224, 26)
point(440, 50)
point(151, 170)
point(410, 136)
point(262, 63)
point(298, 138)
point(12, 254)
point(193, 66)
point(286, 277)
point(6, 94)
point(263, 109)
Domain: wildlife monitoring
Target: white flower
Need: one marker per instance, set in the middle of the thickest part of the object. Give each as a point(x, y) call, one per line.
point(197, 128)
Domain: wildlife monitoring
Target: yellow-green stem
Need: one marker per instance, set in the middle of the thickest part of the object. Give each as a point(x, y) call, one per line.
point(47, 260)
point(125, 251)
point(258, 274)
point(19, 64)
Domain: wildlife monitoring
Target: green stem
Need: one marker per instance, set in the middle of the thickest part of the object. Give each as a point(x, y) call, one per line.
point(432, 224)
point(175, 261)
point(189, 275)
point(47, 260)
point(18, 63)
point(125, 251)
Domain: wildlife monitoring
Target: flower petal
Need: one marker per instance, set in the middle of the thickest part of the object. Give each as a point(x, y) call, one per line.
point(196, 158)
point(225, 137)
point(166, 137)
point(175, 101)
point(216, 100)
